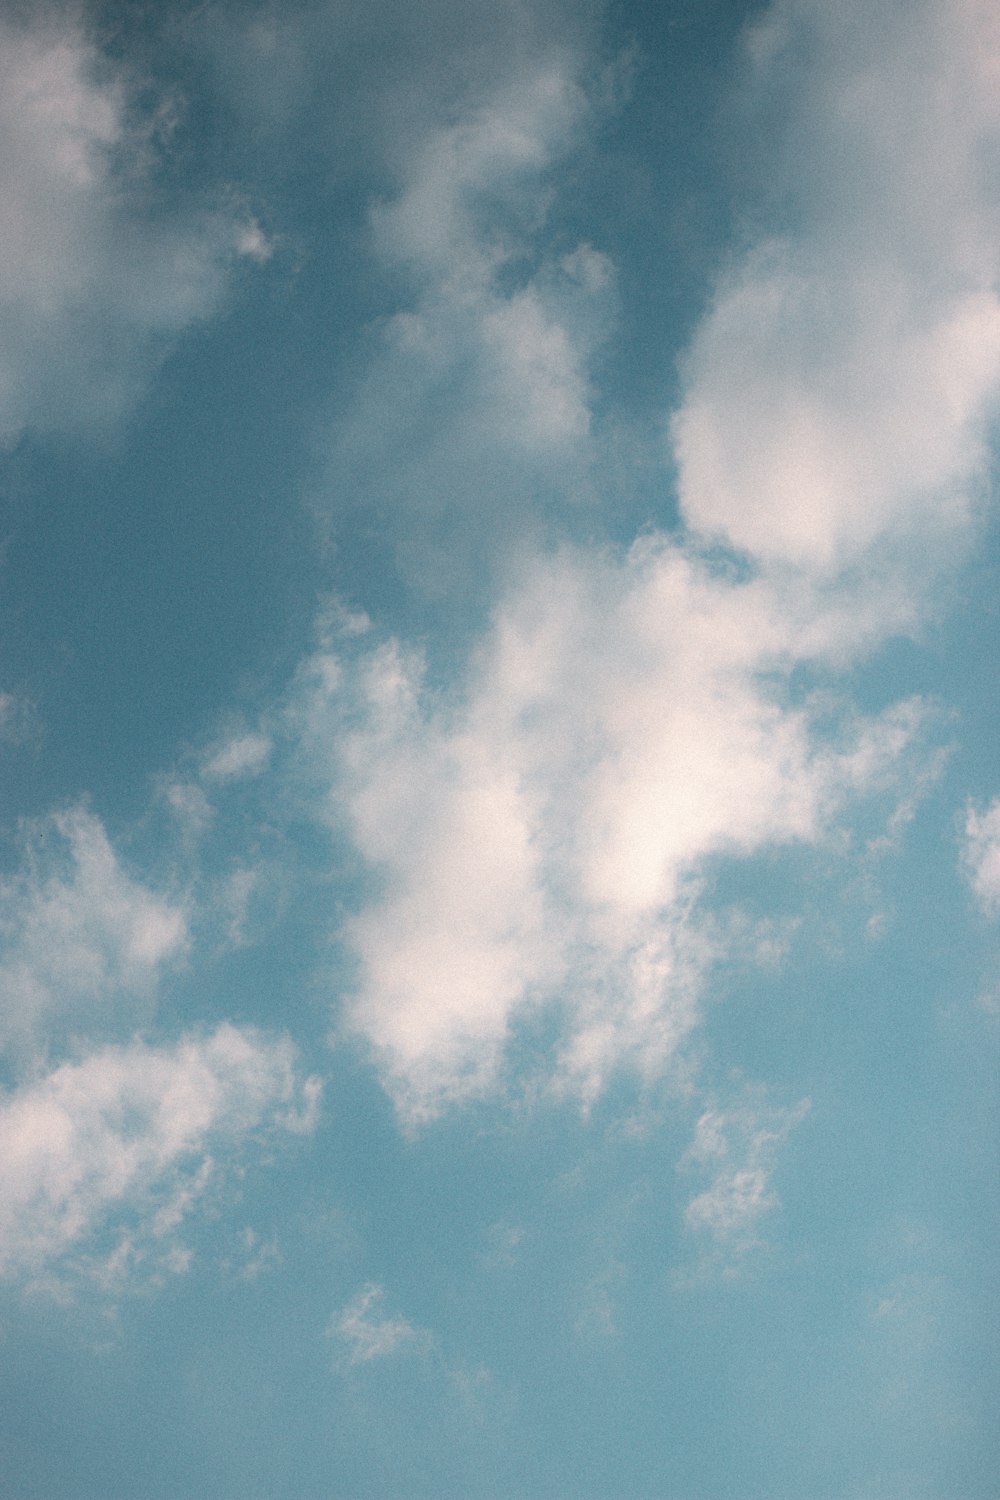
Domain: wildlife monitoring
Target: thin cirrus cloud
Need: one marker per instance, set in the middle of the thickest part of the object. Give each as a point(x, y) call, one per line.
point(97, 275)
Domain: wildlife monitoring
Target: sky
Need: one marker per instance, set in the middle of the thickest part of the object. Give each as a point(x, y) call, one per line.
point(499, 792)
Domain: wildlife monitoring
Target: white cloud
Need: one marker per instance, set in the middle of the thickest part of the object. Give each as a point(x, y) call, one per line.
point(96, 274)
point(476, 404)
point(17, 719)
point(981, 855)
point(254, 1257)
point(539, 833)
point(189, 805)
point(738, 1146)
point(81, 942)
point(125, 1142)
point(445, 221)
point(838, 392)
point(243, 755)
point(370, 1336)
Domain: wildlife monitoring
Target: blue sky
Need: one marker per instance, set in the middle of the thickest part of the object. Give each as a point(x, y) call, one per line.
point(500, 838)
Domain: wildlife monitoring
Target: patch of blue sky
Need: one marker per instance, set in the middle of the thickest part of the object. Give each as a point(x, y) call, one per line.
point(500, 860)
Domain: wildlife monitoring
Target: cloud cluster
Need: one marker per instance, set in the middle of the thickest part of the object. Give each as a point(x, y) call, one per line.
point(107, 1142)
point(539, 834)
point(538, 831)
point(98, 272)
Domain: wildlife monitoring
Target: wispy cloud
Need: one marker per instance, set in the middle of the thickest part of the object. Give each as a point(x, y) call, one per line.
point(122, 1145)
point(981, 855)
point(98, 274)
point(243, 755)
point(475, 409)
point(82, 942)
point(738, 1146)
point(370, 1336)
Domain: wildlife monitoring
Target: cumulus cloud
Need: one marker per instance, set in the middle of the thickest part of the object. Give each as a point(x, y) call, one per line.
point(838, 392)
point(369, 1335)
point(981, 855)
point(96, 274)
point(118, 1148)
point(82, 943)
point(539, 833)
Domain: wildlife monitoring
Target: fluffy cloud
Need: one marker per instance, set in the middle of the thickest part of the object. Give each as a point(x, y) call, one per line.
point(981, 855)
point(96, 272)
point(838, 391)
point(475, 410)
point(117, 1148)
point(538, 834)
point(81, 942)
point(538, 831)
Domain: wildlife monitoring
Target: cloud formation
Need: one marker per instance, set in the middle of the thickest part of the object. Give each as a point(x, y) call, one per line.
point(107, 1141)
point(838, 392)
point(981, 855)
point(737, 1146)
point(474, 413)
point(115, 1150)
point(98, 271)
point(82, 943)
point(370, 1336)
point(539, 833)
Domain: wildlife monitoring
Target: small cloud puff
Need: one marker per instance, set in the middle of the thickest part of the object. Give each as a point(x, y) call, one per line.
point(370, 1336)
point(981, 856)
point(82, 941)
point(252, 242)
point(244, 755)
point(738, 1146)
